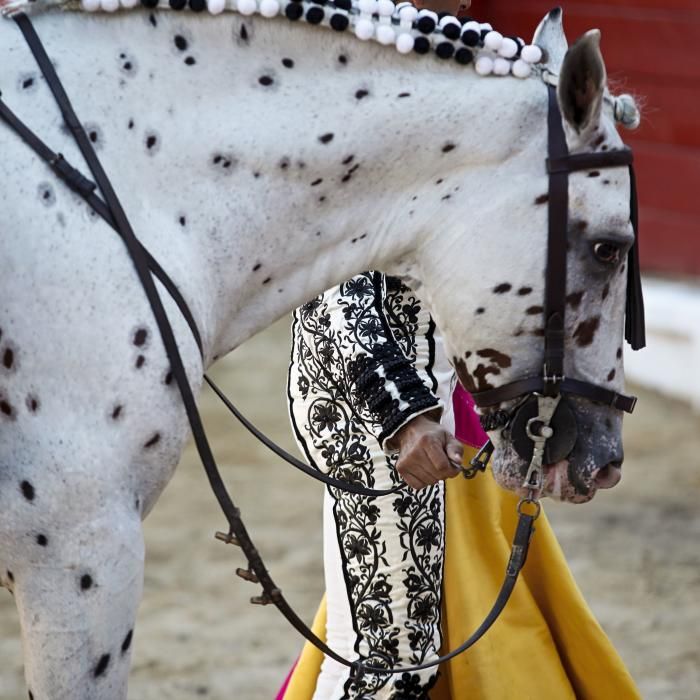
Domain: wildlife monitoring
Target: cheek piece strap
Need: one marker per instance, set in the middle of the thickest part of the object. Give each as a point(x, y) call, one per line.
point(552, 382)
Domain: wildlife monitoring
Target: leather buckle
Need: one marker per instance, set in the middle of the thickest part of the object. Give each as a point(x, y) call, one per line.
point(552, 382)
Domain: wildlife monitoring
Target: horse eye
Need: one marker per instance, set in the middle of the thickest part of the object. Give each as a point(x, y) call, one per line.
point(607, 253)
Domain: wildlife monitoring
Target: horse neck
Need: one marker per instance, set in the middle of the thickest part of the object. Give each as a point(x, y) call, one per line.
point(289, 179)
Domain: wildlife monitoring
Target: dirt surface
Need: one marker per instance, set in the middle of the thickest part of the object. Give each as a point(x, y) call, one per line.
point(635, 552)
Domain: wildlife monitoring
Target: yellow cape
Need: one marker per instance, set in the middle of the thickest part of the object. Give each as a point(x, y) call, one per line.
point(546, 643)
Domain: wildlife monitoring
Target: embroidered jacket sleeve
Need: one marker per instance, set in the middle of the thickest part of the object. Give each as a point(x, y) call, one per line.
point(370, 343)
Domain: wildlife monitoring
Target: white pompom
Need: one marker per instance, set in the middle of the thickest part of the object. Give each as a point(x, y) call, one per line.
point(508, 48)
point(90, 5)
point(386, 34)
point(404, 43)
point(448, 19)
point(408, 14)
point(386, 8)
point(501, 66)
point(247, 7)
point(486, 26)
point(531, 54)
point(626, 111)
point(129, 4)
point(269, 8)
point(109, 5)
point(429, 13)
point(367, 7)
point(521, 69)
point(484, 65)
point(364, 29)
point(493, 41)
point(471, 26)
point(216, 7)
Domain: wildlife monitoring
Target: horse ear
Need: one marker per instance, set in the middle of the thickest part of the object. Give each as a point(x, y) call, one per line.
point(550, 37)
point(582, 83)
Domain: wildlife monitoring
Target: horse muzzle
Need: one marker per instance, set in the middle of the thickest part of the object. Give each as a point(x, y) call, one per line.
point(581, 453)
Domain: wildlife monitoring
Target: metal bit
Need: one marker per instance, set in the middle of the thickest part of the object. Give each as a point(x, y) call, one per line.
point(539, 432)
point(479, 461)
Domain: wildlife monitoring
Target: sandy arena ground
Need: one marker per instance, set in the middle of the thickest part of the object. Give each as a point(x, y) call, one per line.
point(635, 552)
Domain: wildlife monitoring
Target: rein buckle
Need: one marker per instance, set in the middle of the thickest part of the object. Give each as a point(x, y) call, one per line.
point(479, 461)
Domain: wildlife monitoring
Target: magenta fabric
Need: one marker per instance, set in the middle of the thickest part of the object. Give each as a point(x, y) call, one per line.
point(467, 426)
point(283, 689)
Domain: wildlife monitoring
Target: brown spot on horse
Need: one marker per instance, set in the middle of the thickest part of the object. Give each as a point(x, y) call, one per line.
point(499, 358)
point(465, 379)
point(586, 330)
point(574, 299)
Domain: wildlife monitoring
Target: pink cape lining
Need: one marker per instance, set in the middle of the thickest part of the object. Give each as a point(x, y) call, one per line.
point(467, 425)
point(283, 689)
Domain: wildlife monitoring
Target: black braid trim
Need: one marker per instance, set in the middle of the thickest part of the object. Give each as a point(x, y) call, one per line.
point(372, 395)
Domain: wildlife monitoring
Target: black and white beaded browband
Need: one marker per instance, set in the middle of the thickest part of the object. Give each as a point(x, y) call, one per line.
point(403, 26)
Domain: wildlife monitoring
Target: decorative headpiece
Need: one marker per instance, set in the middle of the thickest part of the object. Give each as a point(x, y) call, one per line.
point(403, 25)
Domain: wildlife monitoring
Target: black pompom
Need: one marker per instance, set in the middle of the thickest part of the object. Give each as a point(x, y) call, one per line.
point(426, 25)
point(151, 4)
point(464, 56)
point(442, 14)
point(339, 22)
point(484, 32)
point(314, 15)
point(465, 18)
point(451, 30)
point(294, 10)
point(178, 4)
point(344, 4)
point(520, 44)
point(445, 49)
point(421, 45)
point(470, 37)
point(198, 5)
point(318, 2)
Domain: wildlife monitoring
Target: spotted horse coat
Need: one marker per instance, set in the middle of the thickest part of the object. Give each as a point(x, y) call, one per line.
point(252, 156)
point(365, 360)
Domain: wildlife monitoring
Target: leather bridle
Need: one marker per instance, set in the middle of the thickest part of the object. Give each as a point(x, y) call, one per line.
point(542, 413)
point(109, 208)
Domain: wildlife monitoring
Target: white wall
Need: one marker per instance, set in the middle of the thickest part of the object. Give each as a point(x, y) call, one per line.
point(671, 361)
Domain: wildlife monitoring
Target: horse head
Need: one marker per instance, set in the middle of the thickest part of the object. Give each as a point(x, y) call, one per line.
point(499, 353)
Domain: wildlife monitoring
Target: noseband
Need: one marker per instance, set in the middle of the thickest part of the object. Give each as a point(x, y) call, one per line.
point(542, 425)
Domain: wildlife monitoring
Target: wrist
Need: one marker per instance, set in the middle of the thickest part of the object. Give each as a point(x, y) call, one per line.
point(417, 425)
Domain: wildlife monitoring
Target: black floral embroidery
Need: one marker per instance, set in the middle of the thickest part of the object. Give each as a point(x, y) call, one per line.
point(347, 344)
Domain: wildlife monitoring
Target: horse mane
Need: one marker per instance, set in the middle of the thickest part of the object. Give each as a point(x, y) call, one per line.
point(462, 40)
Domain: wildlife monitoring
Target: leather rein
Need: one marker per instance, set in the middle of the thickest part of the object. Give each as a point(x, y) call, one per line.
point(110, 210)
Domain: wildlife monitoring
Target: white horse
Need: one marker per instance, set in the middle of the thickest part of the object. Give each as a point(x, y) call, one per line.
point(260, 162)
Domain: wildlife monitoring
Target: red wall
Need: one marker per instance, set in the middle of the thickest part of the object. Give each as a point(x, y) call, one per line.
point(651, 49)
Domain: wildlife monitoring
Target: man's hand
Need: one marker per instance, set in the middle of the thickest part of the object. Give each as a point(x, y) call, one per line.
point(426, 451)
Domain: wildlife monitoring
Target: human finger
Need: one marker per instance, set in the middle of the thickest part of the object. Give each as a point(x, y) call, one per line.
point(414, 482)
point(414, 463)
point(441, 466)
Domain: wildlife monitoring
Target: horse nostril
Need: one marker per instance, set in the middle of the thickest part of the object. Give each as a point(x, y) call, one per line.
point(609, 475)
